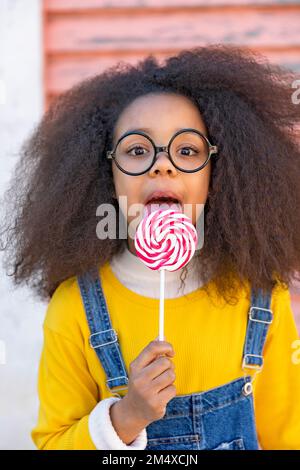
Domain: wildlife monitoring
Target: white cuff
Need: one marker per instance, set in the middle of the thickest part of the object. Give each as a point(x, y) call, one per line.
point(103, 433)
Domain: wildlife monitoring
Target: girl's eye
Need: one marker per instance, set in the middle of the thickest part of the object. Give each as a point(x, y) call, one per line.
point(187, 149)
point(138, 149)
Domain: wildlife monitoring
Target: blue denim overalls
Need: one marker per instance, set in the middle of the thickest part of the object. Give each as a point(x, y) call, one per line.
point(220, 418)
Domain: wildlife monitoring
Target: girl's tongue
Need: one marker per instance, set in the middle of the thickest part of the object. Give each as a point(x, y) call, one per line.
point(162, 205)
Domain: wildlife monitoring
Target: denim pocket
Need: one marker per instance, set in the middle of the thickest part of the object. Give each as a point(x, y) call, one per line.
point(236, 444)
point(190, 442)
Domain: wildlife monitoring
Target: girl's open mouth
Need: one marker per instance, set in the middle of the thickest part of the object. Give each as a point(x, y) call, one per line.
point(163, 203)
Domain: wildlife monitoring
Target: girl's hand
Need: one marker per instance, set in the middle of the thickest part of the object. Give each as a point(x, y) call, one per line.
point(150, 386)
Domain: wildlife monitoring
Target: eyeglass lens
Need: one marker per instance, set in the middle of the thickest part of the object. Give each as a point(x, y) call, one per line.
point(188, 150)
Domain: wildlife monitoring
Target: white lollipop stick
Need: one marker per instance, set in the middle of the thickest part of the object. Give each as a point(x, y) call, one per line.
point(161, 305)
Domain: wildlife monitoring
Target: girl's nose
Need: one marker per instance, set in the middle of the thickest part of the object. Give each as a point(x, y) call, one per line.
point(163, 164)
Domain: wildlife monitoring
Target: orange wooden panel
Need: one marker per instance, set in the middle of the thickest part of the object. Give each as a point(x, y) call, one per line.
point(133, 30)
point(67, 5)
point(63, 71)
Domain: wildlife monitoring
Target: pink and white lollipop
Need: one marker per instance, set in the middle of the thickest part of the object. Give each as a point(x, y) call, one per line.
point(165, 240)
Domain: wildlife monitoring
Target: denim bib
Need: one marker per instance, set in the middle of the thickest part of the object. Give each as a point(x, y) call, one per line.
point(221, 418)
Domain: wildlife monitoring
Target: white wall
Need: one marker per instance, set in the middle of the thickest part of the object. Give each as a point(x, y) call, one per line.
point(20, 315)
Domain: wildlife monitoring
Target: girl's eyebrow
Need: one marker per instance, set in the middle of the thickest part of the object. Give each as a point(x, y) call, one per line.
point(143, 129)
point(146, 129)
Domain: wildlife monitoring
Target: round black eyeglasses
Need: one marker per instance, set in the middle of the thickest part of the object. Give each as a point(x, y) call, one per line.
point(138, 164)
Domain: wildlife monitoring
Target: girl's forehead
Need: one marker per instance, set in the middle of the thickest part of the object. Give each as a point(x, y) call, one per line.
point(157, 115)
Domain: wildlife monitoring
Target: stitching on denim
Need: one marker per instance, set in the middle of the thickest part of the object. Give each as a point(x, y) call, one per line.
point(224, 404)
point(173, 439)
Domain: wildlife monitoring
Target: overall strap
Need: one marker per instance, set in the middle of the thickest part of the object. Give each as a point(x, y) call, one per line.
point(260, 316)
point(103, 338)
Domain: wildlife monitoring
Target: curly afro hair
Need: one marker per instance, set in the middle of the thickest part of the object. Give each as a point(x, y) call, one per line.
point(252, 215)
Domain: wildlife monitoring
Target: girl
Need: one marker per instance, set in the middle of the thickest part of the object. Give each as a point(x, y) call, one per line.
point(228, 376)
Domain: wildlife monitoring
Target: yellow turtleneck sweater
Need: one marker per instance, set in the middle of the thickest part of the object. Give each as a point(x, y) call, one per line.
point(208, 338)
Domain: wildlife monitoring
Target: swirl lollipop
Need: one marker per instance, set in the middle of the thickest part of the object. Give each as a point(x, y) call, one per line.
point(165, 240)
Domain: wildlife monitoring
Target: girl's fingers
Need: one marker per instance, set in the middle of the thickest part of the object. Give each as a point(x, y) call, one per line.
point(152, 351)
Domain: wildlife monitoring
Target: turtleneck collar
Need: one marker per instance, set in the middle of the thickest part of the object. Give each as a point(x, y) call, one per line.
point(136, 276)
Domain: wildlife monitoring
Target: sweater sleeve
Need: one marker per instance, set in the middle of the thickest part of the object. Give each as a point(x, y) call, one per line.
point(277, 386)
point(70, 415)
point(105, 436)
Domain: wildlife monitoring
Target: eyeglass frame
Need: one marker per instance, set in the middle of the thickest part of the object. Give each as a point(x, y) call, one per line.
point(212, 149)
